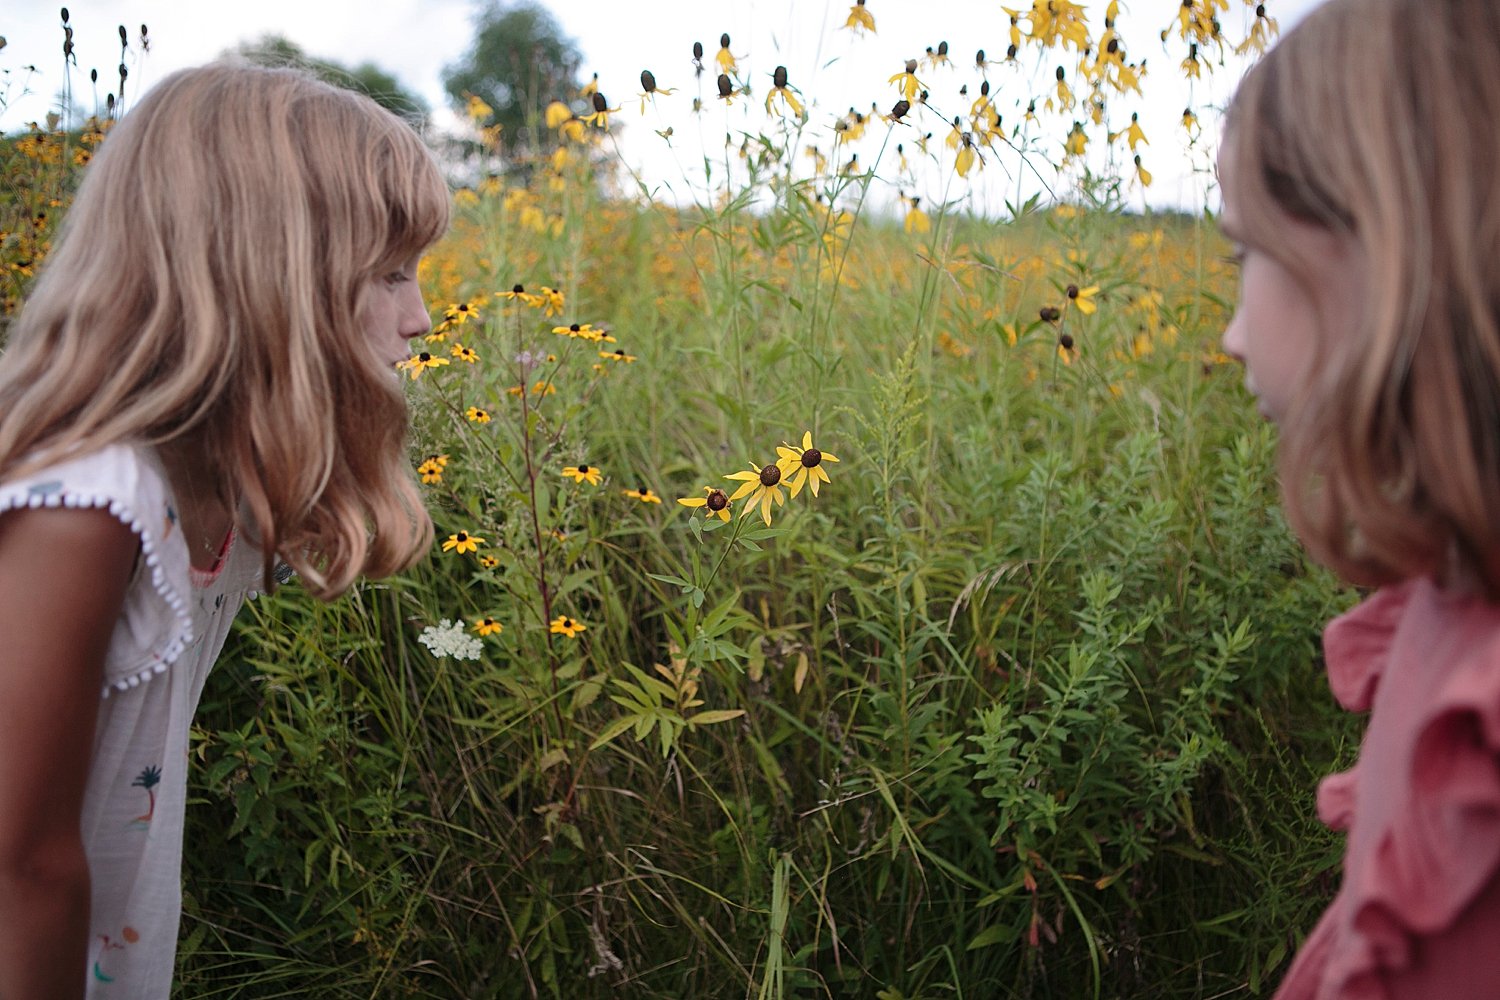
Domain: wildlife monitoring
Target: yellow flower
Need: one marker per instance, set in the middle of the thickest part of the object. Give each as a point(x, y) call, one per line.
point(477, 415)
point(543, 387)
point(761, 487)
point(463, 353)
point(460, 313)
point(644, 495)
point(860, 19)
point(725, 58)
point(599, 117)
point(619, 355)
point(1142, 172)
point(488, 626)
point(551, 301)
point(583, 474)
point(916, 219)
point(779, 88)
point(489, 562)
point(906, 81)
point(420, 362)
point(1077, 140)
point(1083, 298)
point(431, 469)
point(563, 625)
point(715, 503)
point(462, 542)
point(803, 466)
point(519, 292)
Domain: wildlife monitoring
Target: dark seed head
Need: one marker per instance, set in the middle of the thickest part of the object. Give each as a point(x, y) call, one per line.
point(725, 87)
point(1060, 73)
point(811, 457)
point(717, 500)
point(65, 15)
point(424, 357)
point(724, 40)
point(1010, 52)
point(1260, 10)
point(770, 475)
point(518, 289)
point(575, 328)
point(1113, 46)
point(979, 59)
point(648, 82)
point(911, 65)
point(942, 48)
point(124, 36)
point(583, 469)
point(1048, 314)
point(697, 50)
point(462, 536)
point(1065, 341)
point(984, 89)
point(779, 77)
point(600, 104)
point(900, 110)
point(1072, 291)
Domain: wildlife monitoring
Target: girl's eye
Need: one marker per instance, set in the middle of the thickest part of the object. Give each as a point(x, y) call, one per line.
point(396, 278)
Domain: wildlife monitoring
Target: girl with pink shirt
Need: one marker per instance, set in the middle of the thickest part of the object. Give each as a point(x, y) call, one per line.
point(1361, 183)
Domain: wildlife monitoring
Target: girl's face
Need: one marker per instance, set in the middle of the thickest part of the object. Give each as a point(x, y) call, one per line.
point(1285, 321)
point(394, 312)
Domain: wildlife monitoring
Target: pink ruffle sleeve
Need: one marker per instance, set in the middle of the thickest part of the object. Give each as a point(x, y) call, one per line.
point(1418, 914)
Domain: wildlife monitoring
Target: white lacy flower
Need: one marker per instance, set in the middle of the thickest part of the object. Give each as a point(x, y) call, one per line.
point(447, 638)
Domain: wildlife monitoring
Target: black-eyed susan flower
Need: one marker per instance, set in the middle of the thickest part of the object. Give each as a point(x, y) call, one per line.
point(518, 293)
point(916, 220)
point(489, 562)
point(551, 301)
point(782, 90)
point(462, 542)
point(560, 117)
point(431, 469)
point(563, 625)
point(488, 626)
point(477, 415)
point(1077, 140)
point(803, 466)
point(583, 474)
point(420, 362)
point(860, 19)
point(465, 354)
point(1142, 172)
point(1083, 298)
point(543, 388)
point(460, 313)
point(643, 494)
point(618, 355)
point(715, 502)
point(761, 488)
point(579, 331)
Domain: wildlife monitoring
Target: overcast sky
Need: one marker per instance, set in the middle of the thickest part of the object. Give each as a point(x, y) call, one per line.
point(835, 69)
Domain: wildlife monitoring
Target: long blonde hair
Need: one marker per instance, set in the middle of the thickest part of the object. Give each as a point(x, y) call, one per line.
point(206, 289)
point(1375, 119)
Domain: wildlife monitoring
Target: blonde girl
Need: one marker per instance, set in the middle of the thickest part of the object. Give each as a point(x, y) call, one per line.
point(1361, 181)
point(201, 386)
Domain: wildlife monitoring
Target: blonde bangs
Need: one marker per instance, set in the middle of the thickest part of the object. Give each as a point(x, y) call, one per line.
point(1391, 457)
point(206, 288)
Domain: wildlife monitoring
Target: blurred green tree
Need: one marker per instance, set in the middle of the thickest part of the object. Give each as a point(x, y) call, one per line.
point(366, 78)
point(519, 63)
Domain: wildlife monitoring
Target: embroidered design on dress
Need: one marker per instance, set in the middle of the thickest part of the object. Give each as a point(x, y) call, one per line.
point(147, 779)
point(128, 936)
point(46, 489)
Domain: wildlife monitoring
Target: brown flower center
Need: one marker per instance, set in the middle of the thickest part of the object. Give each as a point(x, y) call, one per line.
point(717, 500)
point(583, 470)
point(770, 475)
point(811, 457)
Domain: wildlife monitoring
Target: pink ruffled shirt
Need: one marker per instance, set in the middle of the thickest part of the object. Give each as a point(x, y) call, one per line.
point(1418, 914)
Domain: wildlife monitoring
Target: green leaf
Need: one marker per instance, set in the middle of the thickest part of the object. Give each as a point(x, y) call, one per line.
point(612, 730)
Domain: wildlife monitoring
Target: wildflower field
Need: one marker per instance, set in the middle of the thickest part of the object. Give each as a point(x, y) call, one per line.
point(829, 599)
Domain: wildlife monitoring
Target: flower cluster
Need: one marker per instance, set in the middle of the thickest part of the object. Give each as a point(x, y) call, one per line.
point(762, 486)
point(447, 638)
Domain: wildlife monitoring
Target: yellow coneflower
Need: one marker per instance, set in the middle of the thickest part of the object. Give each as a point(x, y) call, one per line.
point(565, 626)
point(583, 474)
point(906, 81)
point(420, 362)
point(725, 59)
point(643, 494)
point(462, 542)
point(715, 502)
point(476, 415)
point(489, 562)
point(803, 466)
point(460, 313)
point(619, 355)
point(519, 293)
point(464, 354)
point(860, 19)
point(488, 626)
point(780, 88)
point(431, 469)
point(761, 487)
point(1083, 298)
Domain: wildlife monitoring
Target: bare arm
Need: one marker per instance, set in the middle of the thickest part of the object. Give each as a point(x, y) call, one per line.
point(63, 576)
